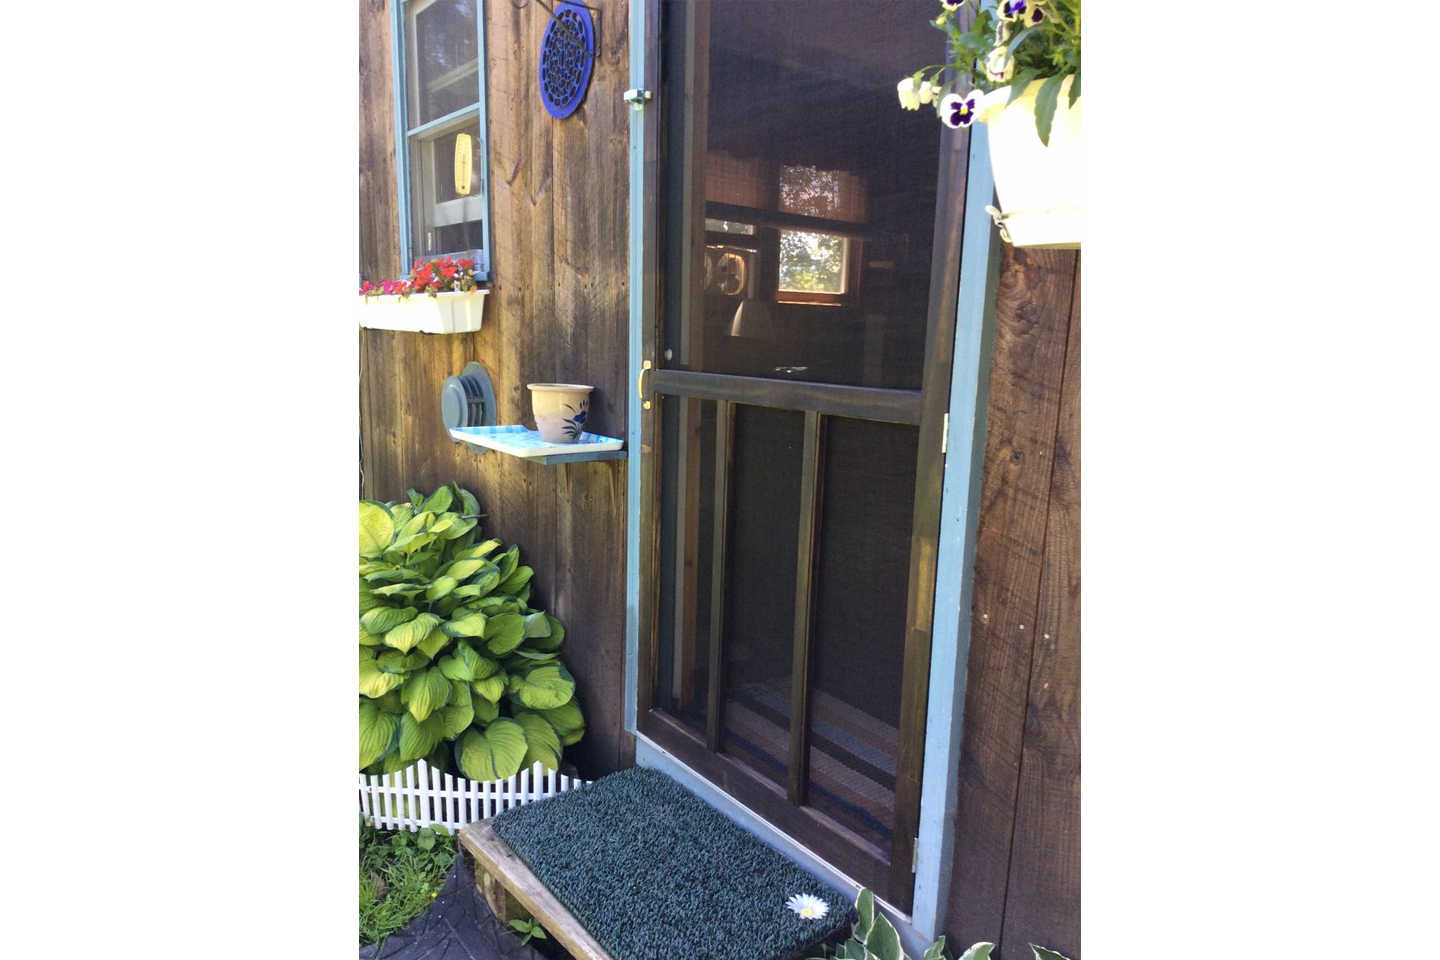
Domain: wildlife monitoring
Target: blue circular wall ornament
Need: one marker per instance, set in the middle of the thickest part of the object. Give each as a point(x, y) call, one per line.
point(566, 59)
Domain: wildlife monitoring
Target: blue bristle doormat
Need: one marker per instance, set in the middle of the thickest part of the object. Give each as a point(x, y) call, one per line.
point(654, 873)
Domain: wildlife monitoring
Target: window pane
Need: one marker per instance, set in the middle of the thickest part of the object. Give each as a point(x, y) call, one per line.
point(805, 142)
point(444, 219)
point(812, 262)
point(857, 637)
point(444, 63)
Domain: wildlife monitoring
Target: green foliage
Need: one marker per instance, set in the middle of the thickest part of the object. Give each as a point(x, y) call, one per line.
point(873, 937)
point(400, 873)
point(988, 51)
point(453, 661)
point(527, 929)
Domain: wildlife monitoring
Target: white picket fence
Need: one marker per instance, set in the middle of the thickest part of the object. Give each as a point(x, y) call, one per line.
point(421, 796)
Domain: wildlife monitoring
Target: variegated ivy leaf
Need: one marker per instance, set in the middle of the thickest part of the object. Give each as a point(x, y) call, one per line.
point(378, 731)
point(544, 688)
point(883, 940)
point(466, 625)
point(374, 682)
point(541, 741)
point(1042, 954)
point(383, 619)
point(425, 692)
point(936, 951)
point(504, 632)
point(865, 913)
point(419, 737)
point(376, 528)
point(409, 634)
point(980, 951)
point(495, 754)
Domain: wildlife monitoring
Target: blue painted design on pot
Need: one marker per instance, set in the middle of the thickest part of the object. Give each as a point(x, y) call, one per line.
point(561, 410)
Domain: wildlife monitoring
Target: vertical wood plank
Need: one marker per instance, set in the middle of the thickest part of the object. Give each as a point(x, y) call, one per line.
point(1031, 322)
point(1043, 897)
point(724, 434)
point(810, 480)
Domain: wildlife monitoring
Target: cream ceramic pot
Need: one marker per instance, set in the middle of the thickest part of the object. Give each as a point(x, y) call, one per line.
point(560, 410)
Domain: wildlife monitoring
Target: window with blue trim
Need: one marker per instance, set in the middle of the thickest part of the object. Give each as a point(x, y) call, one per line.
point(440, 152)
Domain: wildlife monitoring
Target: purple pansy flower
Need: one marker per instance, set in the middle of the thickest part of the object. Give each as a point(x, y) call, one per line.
point(1026, 11)
point(958, 112)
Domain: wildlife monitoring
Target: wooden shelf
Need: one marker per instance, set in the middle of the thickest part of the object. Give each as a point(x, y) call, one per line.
point(518, 441)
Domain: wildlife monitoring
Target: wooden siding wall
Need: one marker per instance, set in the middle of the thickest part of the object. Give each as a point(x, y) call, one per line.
point(558, 311)
point(1016, 876)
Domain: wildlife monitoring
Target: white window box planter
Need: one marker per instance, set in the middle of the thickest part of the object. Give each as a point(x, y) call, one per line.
point(457, 312)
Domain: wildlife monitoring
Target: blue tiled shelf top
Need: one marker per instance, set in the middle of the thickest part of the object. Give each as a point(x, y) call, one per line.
point(518, 441)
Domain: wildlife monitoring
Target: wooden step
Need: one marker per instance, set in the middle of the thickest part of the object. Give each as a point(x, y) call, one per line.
point(499, 861)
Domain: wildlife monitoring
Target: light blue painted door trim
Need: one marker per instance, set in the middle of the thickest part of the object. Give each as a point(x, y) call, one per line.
point(638, 293)
point(955, 562)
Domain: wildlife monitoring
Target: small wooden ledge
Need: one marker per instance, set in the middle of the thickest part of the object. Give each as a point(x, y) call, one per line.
point(496, 859)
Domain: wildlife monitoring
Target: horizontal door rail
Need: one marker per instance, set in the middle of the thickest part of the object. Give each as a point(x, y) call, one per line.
point(835, 400)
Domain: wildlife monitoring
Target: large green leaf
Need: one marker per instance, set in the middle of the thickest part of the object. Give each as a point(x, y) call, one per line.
point(419, 737)
point(393, 661)
point(377, 732)
point(567, 720)
point(490, 688)
point(541, 741)
point(439, 501)
point(458, 527)
point(478, 551)
point(382, 620)
point(368, 600)
point(376, 528)
point(865, 911)
point(464, 664)
point(369, 639)
point(406, 590)
point(432, 644)
point(546, 687)
point(462, 570)
point(481, 585)
point(511, 585)
point(551, 640)
point(536, 625)
point(495, 754)
point(883, 941)
point(459, 713)
point(408, 635)
point(485, 710)
point(469, 503)
point(466, 625)
point(366, 653)
point(374, 682)
point(508, 562)
point(1042, 954)
point(504, 632)
point(440, 587)
point(401, 514)
point(390, 702)
point(425, 692)
point(1045, 106)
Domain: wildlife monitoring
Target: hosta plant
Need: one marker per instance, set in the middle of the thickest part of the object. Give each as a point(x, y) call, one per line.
point(873, 937)
point(453, 660)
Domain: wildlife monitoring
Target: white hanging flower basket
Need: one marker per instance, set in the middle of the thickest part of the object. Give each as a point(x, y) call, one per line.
point(1038, 185)
point(454, 312)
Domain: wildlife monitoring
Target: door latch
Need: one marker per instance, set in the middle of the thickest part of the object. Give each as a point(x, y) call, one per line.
point(640, 384)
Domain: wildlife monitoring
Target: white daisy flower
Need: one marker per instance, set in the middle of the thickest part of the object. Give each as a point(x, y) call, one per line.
point(808, 907)
point(909, 92)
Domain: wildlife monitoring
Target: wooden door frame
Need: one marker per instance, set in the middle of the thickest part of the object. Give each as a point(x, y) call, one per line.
point(948, 556)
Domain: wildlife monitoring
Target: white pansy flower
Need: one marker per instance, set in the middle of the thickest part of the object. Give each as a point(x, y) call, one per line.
point(999, 65)
point(958, 112)
point(807, 906)
point(928, 91)
point(909, 93)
